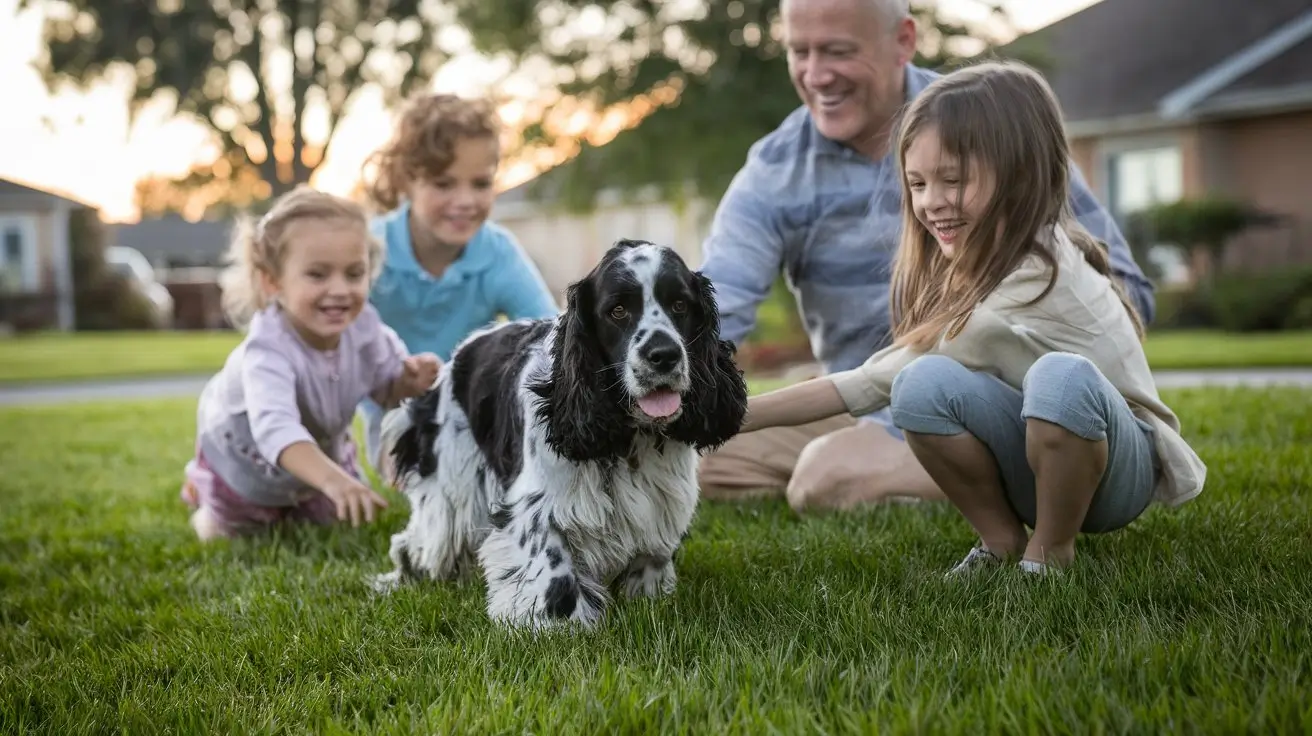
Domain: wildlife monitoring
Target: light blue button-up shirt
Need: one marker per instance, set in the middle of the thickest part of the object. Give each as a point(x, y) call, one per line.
point(830, 219)
point(492, 276)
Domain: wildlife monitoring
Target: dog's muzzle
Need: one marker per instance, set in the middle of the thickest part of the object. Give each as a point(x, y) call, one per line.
point(661, 375)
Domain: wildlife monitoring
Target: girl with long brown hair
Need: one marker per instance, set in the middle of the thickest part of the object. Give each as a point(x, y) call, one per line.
point(1017, 371)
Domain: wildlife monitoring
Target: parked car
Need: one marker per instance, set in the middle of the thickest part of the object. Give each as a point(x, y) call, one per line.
point(131, 265)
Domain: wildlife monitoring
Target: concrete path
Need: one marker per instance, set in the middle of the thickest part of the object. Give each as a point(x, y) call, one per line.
point(127, 389)
point(1244, 377)
point(190, 386)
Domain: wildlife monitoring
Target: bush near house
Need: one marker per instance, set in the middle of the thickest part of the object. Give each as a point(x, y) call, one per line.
point(102, 300)
point(1276, 299)
point(1204, 226)
point(1258, 302)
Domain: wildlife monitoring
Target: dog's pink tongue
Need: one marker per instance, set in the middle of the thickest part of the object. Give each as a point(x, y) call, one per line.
point(659, 403)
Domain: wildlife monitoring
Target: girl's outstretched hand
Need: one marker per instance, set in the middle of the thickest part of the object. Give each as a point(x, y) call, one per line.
point(353, 499)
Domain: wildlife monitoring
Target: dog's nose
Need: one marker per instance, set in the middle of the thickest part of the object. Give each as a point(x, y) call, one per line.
point(661, 353)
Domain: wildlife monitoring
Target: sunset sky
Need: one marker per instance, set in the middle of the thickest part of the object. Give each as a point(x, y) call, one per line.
point(81, 144)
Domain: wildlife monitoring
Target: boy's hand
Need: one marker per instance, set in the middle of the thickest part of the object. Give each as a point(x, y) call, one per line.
point(353, 499)
point(417, 374)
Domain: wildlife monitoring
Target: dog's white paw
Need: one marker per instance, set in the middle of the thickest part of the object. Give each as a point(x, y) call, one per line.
point(650, 579)
point(386, 583)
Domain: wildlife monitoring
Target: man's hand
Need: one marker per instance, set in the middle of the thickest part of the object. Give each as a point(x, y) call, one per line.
point(417, 375)
point(353, 499)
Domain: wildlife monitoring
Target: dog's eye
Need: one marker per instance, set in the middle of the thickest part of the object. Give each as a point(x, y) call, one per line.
point(679, 306)
point(619, 312)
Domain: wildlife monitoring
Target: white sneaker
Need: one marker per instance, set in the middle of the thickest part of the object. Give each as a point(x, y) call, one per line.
point(1034, 567)
point(979, 558)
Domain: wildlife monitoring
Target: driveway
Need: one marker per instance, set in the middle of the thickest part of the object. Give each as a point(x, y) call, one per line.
point(190, 386)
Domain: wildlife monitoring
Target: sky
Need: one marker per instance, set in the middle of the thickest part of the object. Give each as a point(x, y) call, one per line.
point(82, 145)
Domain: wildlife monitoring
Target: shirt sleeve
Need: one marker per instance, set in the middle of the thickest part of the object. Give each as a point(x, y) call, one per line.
point(743, 254)
point(269, 387)
point(988, 343)
point(869, 387)
point(522, 293)
point(1099, 222)
point(388, 353)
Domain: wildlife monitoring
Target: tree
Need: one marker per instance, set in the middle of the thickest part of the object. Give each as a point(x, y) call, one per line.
point(221, 188)
point(706, 79)
point(270, 78)
point(1203, 225)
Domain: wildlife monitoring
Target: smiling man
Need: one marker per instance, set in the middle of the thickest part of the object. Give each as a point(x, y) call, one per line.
point(819, 199)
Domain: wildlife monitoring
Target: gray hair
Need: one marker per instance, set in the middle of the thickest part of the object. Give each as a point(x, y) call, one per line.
point(891, 11)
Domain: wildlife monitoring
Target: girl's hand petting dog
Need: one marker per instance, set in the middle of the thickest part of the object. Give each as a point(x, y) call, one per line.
point(417, 375)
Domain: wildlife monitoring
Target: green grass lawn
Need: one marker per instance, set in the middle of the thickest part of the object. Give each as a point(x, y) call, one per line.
point(1204, 349)
point(95, 355)
point(114, 355)
point(112, 618)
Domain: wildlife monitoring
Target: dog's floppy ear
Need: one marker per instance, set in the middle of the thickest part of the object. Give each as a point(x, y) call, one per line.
point(408, 434)
point(583, 419)
point(716, 403)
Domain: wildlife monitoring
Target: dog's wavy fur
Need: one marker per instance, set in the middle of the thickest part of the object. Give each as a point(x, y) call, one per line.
point(529, 459)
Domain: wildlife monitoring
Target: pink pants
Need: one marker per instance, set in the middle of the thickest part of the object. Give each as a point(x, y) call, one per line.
point(204, 488)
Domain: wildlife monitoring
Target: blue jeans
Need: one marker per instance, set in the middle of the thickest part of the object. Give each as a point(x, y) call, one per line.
point(936, 395)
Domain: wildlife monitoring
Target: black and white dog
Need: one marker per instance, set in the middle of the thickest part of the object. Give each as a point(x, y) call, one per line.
point(562, 454)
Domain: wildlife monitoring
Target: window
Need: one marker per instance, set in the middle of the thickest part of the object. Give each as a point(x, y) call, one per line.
point(1143, 177)
point(18, 254)
point(1140, 178)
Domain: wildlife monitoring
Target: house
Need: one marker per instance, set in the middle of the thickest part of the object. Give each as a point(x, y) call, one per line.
point(36, 272)
point(171, 242)
point(186, 257)
point(1175, 99)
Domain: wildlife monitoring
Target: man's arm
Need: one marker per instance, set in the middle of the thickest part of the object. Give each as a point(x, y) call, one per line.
point(743, 254)
point(1099, 222)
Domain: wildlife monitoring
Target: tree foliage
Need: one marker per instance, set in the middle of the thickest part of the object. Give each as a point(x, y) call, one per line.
point(219, 188)
point(270, 78)
point(1203, 225)
point(721, 62)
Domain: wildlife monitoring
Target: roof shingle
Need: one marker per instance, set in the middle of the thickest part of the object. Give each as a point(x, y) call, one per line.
point(1120, 57)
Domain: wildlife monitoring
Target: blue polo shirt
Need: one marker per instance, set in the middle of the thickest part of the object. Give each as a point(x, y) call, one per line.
point(492, 277)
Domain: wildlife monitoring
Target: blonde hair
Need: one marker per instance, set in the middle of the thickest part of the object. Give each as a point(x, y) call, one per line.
point(260, 247)
point(424, 142)
point(1003, 117)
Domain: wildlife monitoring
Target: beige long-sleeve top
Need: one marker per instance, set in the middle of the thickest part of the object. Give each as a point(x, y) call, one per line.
point(1004, 337)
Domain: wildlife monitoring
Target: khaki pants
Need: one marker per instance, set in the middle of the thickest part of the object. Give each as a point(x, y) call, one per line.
point(833, 463)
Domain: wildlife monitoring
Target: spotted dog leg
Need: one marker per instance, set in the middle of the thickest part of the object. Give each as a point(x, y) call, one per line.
point(649, 577)
point(530, 573)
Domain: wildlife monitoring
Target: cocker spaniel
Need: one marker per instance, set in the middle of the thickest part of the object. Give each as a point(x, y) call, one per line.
point(561, 454)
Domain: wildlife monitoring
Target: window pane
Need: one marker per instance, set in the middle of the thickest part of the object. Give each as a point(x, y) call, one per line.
point(13, 246)
point(1146, 177)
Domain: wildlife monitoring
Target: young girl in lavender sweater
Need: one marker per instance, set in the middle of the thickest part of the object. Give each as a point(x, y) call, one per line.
point(273, 427)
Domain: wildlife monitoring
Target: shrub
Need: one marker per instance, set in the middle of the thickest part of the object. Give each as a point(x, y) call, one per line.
point(1266, 301)
point(102, 299)
point(1272, 300)
point(1206, 223)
